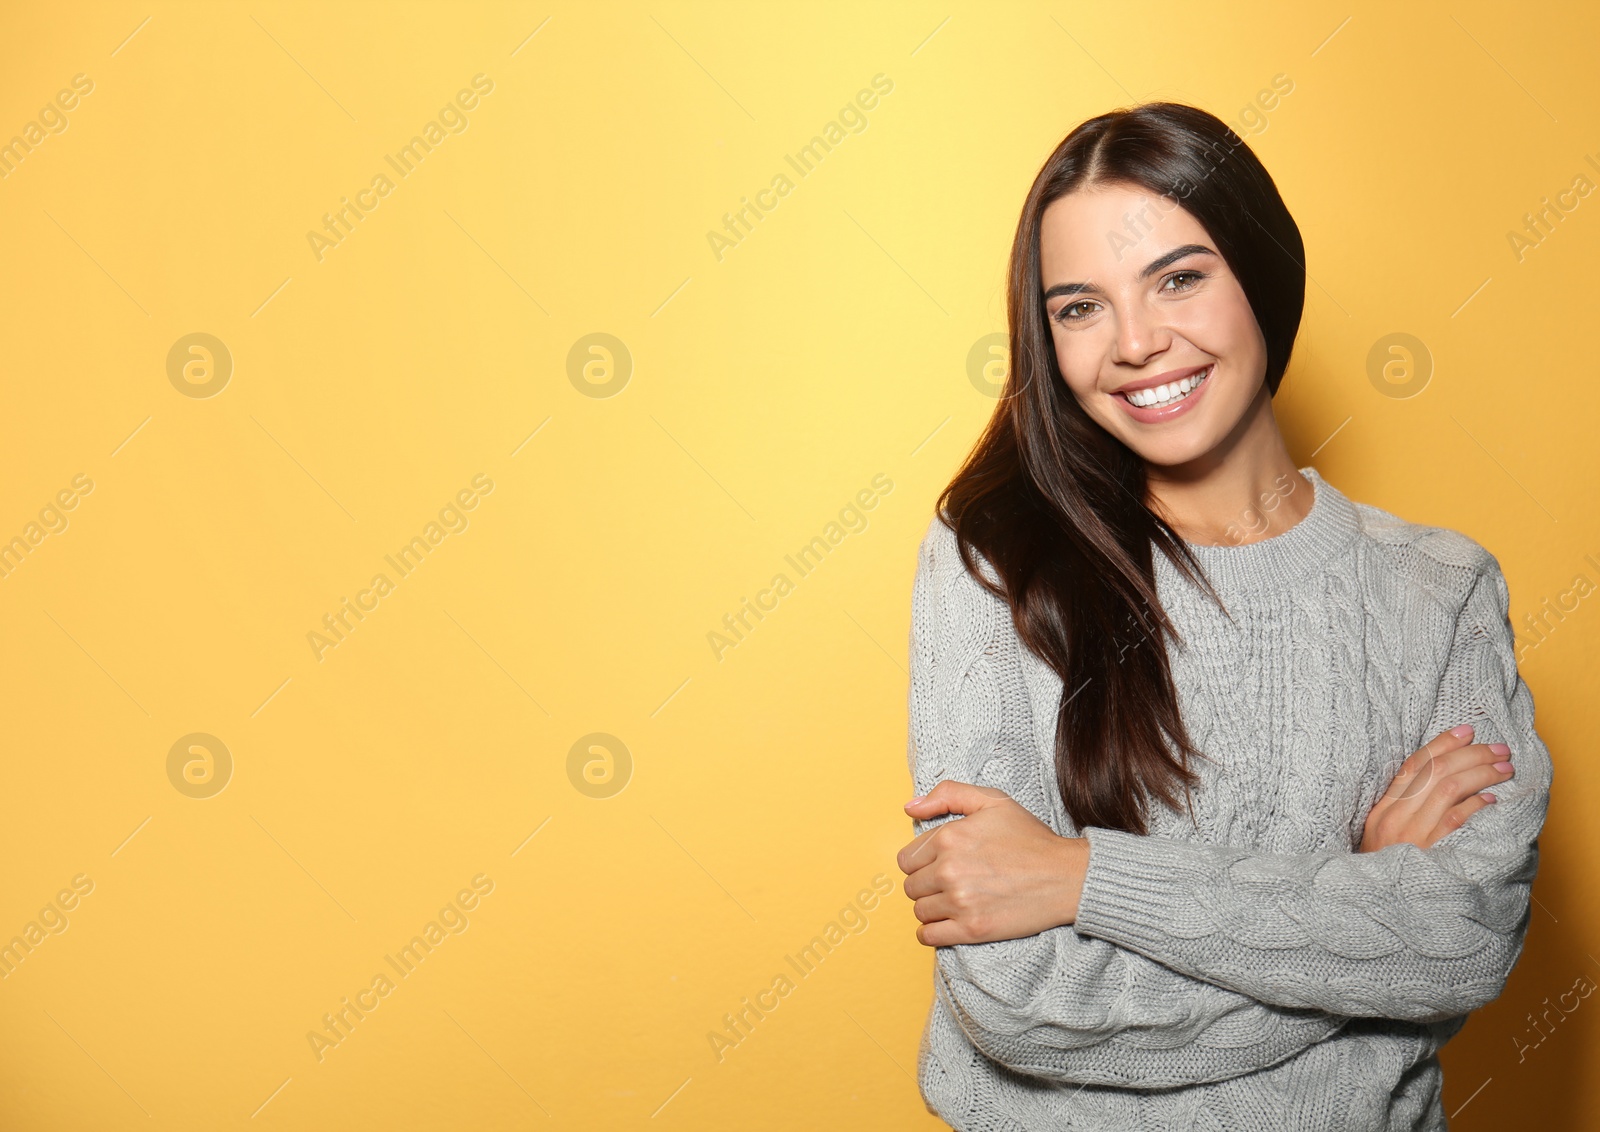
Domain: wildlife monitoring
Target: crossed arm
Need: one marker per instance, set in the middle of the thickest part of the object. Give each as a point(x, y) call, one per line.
point(1191, 962)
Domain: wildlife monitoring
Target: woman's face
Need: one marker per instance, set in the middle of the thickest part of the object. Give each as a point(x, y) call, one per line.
point(1138, 298)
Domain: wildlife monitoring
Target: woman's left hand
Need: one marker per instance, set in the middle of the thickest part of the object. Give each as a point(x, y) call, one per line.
point(998, 873)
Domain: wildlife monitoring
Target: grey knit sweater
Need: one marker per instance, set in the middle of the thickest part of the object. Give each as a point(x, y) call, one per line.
point(1254, 971)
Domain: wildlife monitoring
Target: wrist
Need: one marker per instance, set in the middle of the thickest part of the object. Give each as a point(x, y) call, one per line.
point(1074, 867)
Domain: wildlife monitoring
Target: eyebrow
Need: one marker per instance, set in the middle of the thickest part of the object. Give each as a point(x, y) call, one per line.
point(1150, 269)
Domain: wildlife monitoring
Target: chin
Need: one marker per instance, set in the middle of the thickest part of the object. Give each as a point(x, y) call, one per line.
point(1173, 452)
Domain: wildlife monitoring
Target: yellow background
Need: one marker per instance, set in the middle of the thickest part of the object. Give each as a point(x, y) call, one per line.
point(762, 789)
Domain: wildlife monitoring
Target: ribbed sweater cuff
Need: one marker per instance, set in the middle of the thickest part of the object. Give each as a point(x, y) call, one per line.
point(1137, 888)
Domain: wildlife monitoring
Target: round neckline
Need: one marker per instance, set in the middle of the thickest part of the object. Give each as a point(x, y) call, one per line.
point(1285, 557)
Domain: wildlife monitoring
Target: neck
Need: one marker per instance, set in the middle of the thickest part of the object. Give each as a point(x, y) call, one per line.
point(1244, 490)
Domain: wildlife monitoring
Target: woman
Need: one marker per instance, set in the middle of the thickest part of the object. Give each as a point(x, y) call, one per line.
point(1289, 947)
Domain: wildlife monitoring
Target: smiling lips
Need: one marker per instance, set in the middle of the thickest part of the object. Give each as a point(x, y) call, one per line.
point(1165, 396)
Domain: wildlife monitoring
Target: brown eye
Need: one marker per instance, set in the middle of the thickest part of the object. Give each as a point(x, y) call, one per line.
point(1065, 313)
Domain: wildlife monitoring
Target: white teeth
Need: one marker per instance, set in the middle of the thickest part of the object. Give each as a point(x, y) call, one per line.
point(1172, 392)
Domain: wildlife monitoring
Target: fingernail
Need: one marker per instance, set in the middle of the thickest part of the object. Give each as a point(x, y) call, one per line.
point(917, 799)
point(1488, 797)
point(1503, 768)
point(1500, 748)
point(1462, 731)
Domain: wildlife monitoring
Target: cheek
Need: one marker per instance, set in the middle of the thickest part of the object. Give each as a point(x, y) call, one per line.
point(1078, 359)
point(1233, 332)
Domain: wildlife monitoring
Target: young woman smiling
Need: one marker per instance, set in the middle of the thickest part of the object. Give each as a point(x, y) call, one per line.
point(1290, 946)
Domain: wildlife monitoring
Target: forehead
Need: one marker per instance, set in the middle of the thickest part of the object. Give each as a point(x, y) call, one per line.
point(1109, 232)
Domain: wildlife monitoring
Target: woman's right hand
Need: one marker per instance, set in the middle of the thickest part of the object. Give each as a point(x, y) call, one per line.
point(1437, 789)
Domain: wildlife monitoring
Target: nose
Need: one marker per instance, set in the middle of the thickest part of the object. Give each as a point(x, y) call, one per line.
point(1141, 334)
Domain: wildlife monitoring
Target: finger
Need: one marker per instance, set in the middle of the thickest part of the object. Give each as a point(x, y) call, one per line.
point(1414, 771)
point(1455, 817)
point(916, 853)
point(1454, 789)
point(932, 909)
point(950, 797)
point(1471, 755)
point(942, 933)
point(1442, 775)
point(922, 883)
point(1445, 763)
point(1447, 740)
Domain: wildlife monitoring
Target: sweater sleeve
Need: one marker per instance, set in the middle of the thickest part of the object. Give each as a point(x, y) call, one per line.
point(1055, 1005)
point(1405, 933)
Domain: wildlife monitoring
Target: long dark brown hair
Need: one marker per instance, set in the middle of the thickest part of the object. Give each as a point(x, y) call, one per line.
point(1057, 505)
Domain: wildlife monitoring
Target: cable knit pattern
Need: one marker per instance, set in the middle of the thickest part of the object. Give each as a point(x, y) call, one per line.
point(1249, 969)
